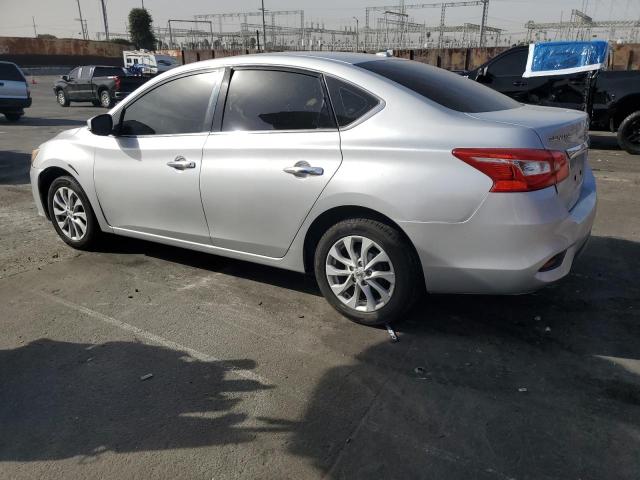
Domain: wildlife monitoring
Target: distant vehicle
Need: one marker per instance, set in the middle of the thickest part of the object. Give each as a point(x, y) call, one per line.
point(142, 61)
point(610, 98)
point(100, 85)
point(380, 175)
point(15, 95)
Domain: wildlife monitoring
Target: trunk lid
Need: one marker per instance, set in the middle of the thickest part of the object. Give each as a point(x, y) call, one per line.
point(558, 129)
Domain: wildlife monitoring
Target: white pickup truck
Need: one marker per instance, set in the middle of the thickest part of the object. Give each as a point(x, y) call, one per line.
point(15, 95)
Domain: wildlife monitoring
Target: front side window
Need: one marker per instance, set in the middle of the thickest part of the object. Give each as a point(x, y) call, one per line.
point(349, 102)
point(275, 100)
point(85, 73)
point(175, 107)
point(75, 73)
point(510, 65)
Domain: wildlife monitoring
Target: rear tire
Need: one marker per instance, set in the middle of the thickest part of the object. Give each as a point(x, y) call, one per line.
point(71, 214)
point(105, 99)
point(629, 134)
point(62, 98)
point(13, 117)
point(378, 292)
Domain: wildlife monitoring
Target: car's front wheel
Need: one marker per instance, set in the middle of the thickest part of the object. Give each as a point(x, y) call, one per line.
point(62, 98)
point(629, 134)
point(71, 213)
point(367, 271)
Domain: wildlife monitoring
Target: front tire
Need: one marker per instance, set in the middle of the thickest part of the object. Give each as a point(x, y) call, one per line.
point(71, 213)
point(13, 117)
point(62, 98)
point(105, 99)
point(629, 134)
point(367, 271)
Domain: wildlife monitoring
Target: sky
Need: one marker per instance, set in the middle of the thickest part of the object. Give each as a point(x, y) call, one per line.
point(56, 17)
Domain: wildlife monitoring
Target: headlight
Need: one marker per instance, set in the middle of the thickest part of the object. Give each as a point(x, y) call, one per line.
point(34, 154)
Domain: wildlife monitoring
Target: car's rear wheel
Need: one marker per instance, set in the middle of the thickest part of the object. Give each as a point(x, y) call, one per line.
point(62, 98)
point(367, 271)
point(95, 103)
point(71, 213)
point(629, 134)
point(13, 117)
point(105, 99)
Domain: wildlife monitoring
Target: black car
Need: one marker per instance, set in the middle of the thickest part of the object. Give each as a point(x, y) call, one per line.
point(100, 85)
point(611, 98)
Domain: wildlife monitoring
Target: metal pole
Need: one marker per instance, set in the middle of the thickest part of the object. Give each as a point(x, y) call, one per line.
point(104, 17)
point(35, 34)
point(485, 11)
point(357, 34)
point(170, 36)
point(264, 29)
point(84, 32)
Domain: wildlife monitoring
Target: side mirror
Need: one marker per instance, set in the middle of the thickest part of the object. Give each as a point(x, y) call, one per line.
point(65, 78)
point(101, 125)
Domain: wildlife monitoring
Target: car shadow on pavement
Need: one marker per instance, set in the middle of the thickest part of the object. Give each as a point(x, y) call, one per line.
point(603, 141)
point(214, 263)
point(14, 167)
point(60, 400)
point(534, 386)
point(44, 122)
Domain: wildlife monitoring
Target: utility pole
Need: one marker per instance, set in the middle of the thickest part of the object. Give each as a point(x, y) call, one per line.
point(35, 34)
point(104, 17)
point(483, 23)
point(143, 4)
point(264, 29)
point(85, 33)
point(357, 34)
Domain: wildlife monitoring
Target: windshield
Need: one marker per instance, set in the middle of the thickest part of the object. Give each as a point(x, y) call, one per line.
point(445, 88)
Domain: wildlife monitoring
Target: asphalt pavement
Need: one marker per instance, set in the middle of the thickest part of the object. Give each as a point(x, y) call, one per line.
point(146, 361)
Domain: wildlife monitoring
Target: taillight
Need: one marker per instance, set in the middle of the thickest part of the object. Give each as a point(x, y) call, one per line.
point(117, 82)
point(517, 169)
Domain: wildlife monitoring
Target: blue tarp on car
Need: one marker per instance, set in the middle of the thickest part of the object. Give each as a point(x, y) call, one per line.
point(562, 58)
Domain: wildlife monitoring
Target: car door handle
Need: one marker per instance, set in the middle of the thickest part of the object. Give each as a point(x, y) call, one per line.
point(303, 168)
point(519, 83)
point(181, 163)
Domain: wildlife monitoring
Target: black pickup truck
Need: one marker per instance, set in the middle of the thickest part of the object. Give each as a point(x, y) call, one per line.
point(100, 85)
point(611, 98)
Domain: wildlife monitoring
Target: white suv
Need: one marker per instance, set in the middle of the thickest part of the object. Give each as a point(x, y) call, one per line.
point(14, 91)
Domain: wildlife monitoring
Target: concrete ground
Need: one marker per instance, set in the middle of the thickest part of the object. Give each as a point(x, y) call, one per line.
point(255, 376)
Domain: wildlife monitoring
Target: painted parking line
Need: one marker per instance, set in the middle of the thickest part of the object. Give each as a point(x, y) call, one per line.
point(152, 337)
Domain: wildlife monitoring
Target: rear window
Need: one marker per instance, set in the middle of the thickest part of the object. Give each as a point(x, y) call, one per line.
point(10, 72)
point(446, 88)
point(107, 72)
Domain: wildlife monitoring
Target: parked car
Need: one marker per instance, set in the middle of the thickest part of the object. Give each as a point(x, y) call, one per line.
point(15, 95)
point(379, 175)
point(611, 98)
point(100, 85)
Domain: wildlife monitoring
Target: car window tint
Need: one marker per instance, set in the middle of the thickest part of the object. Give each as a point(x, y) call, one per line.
point(445, 88)
point(274, 100)
point(349, 102)
point(10, 72)
point(511, 65)
point(107, 71)
point(179, 106)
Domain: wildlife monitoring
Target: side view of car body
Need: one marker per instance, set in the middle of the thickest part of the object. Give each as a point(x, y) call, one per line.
point(15, 95)
point(381, 176)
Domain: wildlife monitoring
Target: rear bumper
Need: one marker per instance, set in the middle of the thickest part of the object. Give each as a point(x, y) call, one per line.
point(14, 104)
point(503, 246)
point(120, 95)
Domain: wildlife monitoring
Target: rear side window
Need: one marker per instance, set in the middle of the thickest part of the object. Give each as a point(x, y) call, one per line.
point(176, 107)
point(107, 72)
point(275, 100)
point(10, 72)
point(448, 89)
point(349, 102)
point(511, 65)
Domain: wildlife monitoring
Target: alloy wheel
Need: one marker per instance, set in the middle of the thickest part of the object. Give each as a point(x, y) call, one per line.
point(360, 273)
point(69, 213)
point(61, 99)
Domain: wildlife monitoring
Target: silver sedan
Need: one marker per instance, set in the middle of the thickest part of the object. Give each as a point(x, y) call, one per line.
point(384, 177)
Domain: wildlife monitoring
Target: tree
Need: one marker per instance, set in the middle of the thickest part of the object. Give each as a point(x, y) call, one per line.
point(140, 29)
